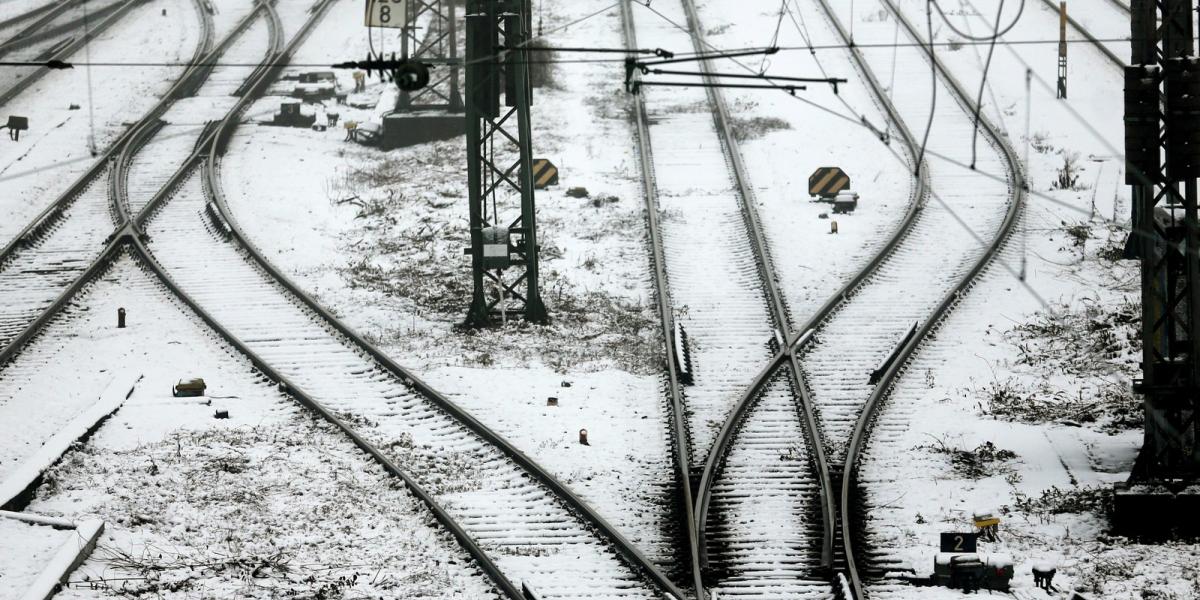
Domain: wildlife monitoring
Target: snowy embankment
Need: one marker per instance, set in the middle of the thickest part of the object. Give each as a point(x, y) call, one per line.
point(378, 237)
point(25, 551)
point(64, 111)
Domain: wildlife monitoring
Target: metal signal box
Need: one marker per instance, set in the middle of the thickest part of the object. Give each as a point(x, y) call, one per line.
point(495, 248)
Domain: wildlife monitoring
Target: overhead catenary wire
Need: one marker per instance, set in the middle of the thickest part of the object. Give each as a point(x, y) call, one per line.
point(58, 64)
point(809, 46)
point(986, 39)
point(987, 65)
point(87, 54)
point(933, 90)
point(762, 67)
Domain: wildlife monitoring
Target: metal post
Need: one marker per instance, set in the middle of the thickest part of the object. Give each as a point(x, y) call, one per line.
point(1062, 49)
point(535, 311)
point(477, 78)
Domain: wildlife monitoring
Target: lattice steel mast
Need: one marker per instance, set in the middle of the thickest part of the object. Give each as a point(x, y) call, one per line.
point(430, 37)
point(1162, 133)
point(504, 249)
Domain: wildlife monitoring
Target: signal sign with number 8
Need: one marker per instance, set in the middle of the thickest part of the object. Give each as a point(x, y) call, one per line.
point(386, 13)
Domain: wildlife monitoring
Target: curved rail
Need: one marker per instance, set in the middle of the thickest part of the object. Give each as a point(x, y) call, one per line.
point(682, 449)
point(30, 14)
point(34, 33)
point(860, 432)
point(468, 543)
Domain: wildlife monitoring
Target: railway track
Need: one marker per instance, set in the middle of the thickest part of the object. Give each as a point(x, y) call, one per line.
point(700, 205)
point(55, 41)
point(173, 144)
point(765, 411)
point(60, 243)
point(29, 22)
point(80, 339)
point(65, 21)
point(518, 514)
point(998, 216)
point(747, 554)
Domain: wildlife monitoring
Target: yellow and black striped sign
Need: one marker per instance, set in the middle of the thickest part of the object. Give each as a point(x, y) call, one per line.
point(827, 181)
point(544, 174)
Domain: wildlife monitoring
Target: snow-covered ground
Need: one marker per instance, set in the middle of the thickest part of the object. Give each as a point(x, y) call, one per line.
point(788, 137)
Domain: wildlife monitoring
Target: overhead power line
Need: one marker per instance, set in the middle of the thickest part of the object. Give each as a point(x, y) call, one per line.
point(58, 64)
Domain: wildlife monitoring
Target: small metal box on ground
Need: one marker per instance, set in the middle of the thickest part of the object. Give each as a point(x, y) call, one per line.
point(974, 570)
point(291, 115)
point(189, 387)
point(845, 202)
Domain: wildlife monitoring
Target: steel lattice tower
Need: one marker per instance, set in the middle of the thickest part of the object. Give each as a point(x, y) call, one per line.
point(1162, 139)
point(429, 37)
point(504, 249)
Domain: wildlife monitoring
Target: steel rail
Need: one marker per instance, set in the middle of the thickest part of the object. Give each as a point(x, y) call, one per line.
point(39, 11)
point(127, 239)
point(208, 61)
point(464, 539)
point(44, 14)
point(32, 36)
point(682, 446)
point(191, 78)
point(1017, 185)
point(66, 52)
point(215, 147)
point(1087, 35)
point(275, 31)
